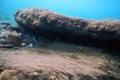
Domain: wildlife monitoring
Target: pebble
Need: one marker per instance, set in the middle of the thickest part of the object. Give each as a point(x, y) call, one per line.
point(23, 44)
point(31, 45)
point(6, 46)
point(20, 34)
point(15, 47)
point(15, 33)
point(35, 74)
point(53, 78)
point(5, 33)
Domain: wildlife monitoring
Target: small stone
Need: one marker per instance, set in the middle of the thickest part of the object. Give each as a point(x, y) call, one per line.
point(23, 44)
point(15, 47)
point(35, 74)
point(8, 46)
point(14, 39)
point(53, 78)
point(20, 34)
point(5, 33)
point(31, 45)
point(15, 33)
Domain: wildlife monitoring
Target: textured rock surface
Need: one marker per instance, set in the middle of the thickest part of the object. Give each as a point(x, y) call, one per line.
point(8, 75)
point(41, 21)
point(46, 22)
point(13, 39)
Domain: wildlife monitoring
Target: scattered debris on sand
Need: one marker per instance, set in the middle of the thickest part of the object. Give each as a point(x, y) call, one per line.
point(12, 37)
point(56, 61)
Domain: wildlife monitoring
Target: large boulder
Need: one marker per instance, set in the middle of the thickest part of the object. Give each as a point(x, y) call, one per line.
point(45, 22)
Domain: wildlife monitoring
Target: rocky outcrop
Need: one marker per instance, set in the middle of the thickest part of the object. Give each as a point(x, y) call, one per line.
point(48, 23)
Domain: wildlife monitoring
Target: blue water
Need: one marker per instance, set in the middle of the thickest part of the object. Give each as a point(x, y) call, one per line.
point(88, 9)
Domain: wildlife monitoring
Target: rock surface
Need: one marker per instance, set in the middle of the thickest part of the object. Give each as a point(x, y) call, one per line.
point(14, 39)
point(8, 75)
point(5, 33)
point(48, 23)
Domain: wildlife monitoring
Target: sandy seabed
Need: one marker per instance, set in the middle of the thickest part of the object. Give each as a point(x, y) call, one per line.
point(59, 61)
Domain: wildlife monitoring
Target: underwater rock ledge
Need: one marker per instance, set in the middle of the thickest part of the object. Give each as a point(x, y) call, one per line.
point(51, 24)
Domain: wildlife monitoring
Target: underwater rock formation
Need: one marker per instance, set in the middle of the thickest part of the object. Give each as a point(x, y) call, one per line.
point(48, 23)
